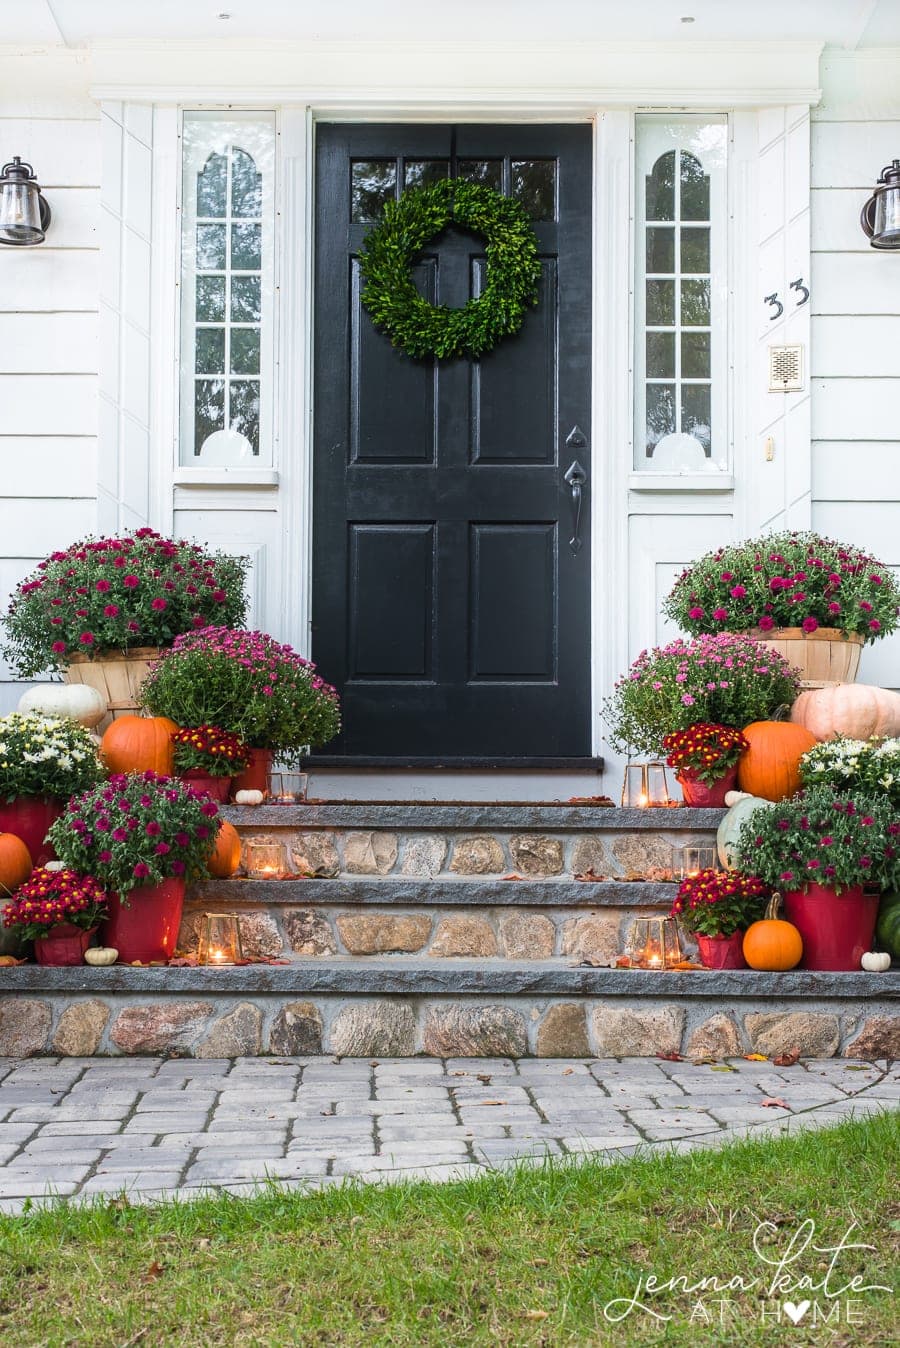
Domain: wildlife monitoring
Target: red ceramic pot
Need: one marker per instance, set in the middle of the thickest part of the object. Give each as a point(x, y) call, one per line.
point(703, 794)
point(29, 818)
point(255, 777)
point(145, 927)
point(217, 788)
point(722, 952)
point(64, 944)
point(837, 929)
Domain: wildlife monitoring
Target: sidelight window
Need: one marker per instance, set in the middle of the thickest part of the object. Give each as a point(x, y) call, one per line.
point(227, 289)
point(680, 294)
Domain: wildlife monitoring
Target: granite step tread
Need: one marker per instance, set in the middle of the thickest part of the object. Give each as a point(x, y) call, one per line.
point(445, 891)
point(518, 818)
point(454, 977)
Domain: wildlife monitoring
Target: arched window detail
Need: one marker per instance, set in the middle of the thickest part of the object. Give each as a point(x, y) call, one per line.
point(227, 289)
point(680, 296)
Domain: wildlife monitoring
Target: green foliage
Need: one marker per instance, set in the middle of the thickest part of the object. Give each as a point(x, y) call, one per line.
point(45, 756)
point(422, 329)
point(856, 767)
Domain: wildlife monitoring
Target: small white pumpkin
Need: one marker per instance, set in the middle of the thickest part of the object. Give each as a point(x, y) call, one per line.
point(74, 701)
point(101, 955)
point(875, 962)
point(54, 865)
point(248, 798)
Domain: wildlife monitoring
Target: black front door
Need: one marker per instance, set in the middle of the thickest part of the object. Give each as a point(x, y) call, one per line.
point(449, 607)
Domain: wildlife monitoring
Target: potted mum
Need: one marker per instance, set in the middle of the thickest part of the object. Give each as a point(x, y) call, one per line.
point(208, 758)
point(727, 680)
point(864, 767)
point(43, 761)
point(718, 906)
point(824, 851)
point(249, 684)
point(58, 910)
point(705, 759)
point(143, 837)
point(102, 608)
point(816, 601)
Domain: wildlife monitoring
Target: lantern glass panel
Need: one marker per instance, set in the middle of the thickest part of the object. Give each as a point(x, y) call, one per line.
point(220, 939)
point(265, 860)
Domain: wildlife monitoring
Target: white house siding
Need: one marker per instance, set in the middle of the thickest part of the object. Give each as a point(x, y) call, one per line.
point(855, 346)
point(48, 325)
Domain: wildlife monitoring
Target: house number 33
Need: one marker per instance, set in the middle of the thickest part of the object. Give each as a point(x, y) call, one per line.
point(775, 302)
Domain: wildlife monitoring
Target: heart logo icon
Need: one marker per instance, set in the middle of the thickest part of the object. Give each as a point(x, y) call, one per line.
point(796, 1313)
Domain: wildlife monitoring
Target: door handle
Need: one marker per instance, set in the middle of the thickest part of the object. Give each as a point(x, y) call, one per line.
point(576, 478)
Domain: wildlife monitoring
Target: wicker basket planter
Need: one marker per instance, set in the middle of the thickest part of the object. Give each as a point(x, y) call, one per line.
point(117, 677)
point(824, 657)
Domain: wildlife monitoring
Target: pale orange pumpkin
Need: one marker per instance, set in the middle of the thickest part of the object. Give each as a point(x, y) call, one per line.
point(772, 943)
point(227, 855)
point(139, 744)
point(858, 710)
point(771, 766)
point(15, 863)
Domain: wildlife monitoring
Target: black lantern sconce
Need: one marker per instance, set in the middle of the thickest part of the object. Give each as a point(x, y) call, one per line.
point(24, 214)
point(880, 217)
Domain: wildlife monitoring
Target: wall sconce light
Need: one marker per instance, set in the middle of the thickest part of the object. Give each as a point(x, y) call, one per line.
point(24, 213)
point(644, 785)
point(880, 217)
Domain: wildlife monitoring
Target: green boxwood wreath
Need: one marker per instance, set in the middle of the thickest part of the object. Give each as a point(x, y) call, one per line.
point(513, 268)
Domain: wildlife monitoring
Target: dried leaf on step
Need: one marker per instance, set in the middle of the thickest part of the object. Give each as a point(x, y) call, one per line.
point(591, 800)
point(723, 1067)
point(484, 1078)
point(492, 1102)
point(774, 1102)
point(787, 1059)
point(687, 966)
point(567, 1071)
point(670, 1057)
point(8, 960)
point(590, 877)
point(755, 1057)
point(703, 1062)
point(512, 876)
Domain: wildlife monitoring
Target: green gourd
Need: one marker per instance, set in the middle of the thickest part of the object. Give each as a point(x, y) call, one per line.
point(741, 806)
point(887, 928)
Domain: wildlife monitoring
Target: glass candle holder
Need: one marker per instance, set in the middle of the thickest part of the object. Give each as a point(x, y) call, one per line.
point(265, 860)
point(645, 785)
point(287, 788)
point(654, 943)
point(220, 939)
point(697, 857)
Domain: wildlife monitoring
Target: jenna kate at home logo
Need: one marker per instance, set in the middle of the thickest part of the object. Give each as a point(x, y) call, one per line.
point(799, 1278)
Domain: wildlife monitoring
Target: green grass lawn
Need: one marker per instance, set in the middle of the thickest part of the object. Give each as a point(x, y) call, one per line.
point(530, 1256)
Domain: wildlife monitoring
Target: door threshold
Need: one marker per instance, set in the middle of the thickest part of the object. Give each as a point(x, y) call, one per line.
point(372, 763)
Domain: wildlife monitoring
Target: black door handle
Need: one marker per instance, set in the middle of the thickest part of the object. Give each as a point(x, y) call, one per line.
point(576, 478)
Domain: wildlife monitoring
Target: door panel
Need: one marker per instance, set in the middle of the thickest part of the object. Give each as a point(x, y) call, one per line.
point(448, 607)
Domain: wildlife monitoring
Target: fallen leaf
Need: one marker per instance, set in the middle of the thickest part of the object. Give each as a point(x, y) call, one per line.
point(539, 1263)
point(623, 962)
point(723, 1067)
point(492, 1102)
point(787, 1059)
point(755, 1057)
point(590, 877)
point(484, 1078)
point(183, 962)
point(153, 1272)
point(774, 1102)
point(687, 966)
point(857, 1067)
point(8, 960)
point(703, 1062)
point(567, 1071)
point(591, 800)
point(536, 1315)
point(512, 876)
point(670, 1057)
point(459, 1073)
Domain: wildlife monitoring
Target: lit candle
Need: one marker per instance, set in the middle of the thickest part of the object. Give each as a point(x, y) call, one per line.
point(217, 956)
point(643, 801)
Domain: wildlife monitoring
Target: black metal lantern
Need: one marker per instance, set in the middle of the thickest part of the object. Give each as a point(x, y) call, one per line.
point(880, 217)
point(24, 214)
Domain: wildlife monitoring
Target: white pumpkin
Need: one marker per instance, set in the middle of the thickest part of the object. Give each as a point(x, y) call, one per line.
point(100, 955)
point(741, 805)
point(248, 798)
point(875, 962)
point(858, 710)
point(54, 865)
point(74, 701)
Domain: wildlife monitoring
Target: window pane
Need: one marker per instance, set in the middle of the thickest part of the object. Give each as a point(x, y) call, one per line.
point(695, 250)
point(210, 351)
point(660, 355)
point(210, 298)
point(661, 304)
point(245, 351)
point(245, 410)
point(694, 189)
point(245, 299)
point(246, 185)
point(209, 410)
point(486, 171)
point(660, 413)
point(211, 186)
point(246, 247)
point(695, 355)
point(695, 399)
point(661, 250)
point(534, 185)
point(694, 304)
point(419, 172)
point(372, 183)
point(210, 247)
point(660, 189)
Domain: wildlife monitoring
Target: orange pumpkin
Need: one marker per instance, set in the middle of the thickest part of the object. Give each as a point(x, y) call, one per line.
point(857, 710)
point(15, 863)
point(227, 855)
point(772, 943)
point(771, 766)
point(139, 744)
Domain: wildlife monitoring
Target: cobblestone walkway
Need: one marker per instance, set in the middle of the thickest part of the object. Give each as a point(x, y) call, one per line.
point(162, 1128)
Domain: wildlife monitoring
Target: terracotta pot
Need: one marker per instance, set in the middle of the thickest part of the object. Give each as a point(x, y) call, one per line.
point(722, 952)
point(145, 927)
point(837, 929)
point(117, 677)
point(64, 944)
point(703, 794)
point(823, 658)
point(255, 777)
point(216, 787)
point(29, 818)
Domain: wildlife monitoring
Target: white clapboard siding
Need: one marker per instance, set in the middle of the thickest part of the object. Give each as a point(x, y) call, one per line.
point(43, 465)
point(48, 343)
point(855, 283)
point(852, 154)
point(34, 528)
point(861, 470)
point(39, 280)
point(835, 220)
point(49, 404)
point(62, 152)
point(863, 346)
point(855, 409)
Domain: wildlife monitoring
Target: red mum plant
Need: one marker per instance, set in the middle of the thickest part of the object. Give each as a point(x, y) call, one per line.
point(719, 903)
point(50, 897)
point(206, 748)
point(705, 749)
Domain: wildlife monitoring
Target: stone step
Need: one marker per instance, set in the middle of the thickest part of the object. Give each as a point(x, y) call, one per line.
point(446, 917)
point(447, 1008)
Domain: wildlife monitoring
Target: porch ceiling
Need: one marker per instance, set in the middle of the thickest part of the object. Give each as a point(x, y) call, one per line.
point(74, 23)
